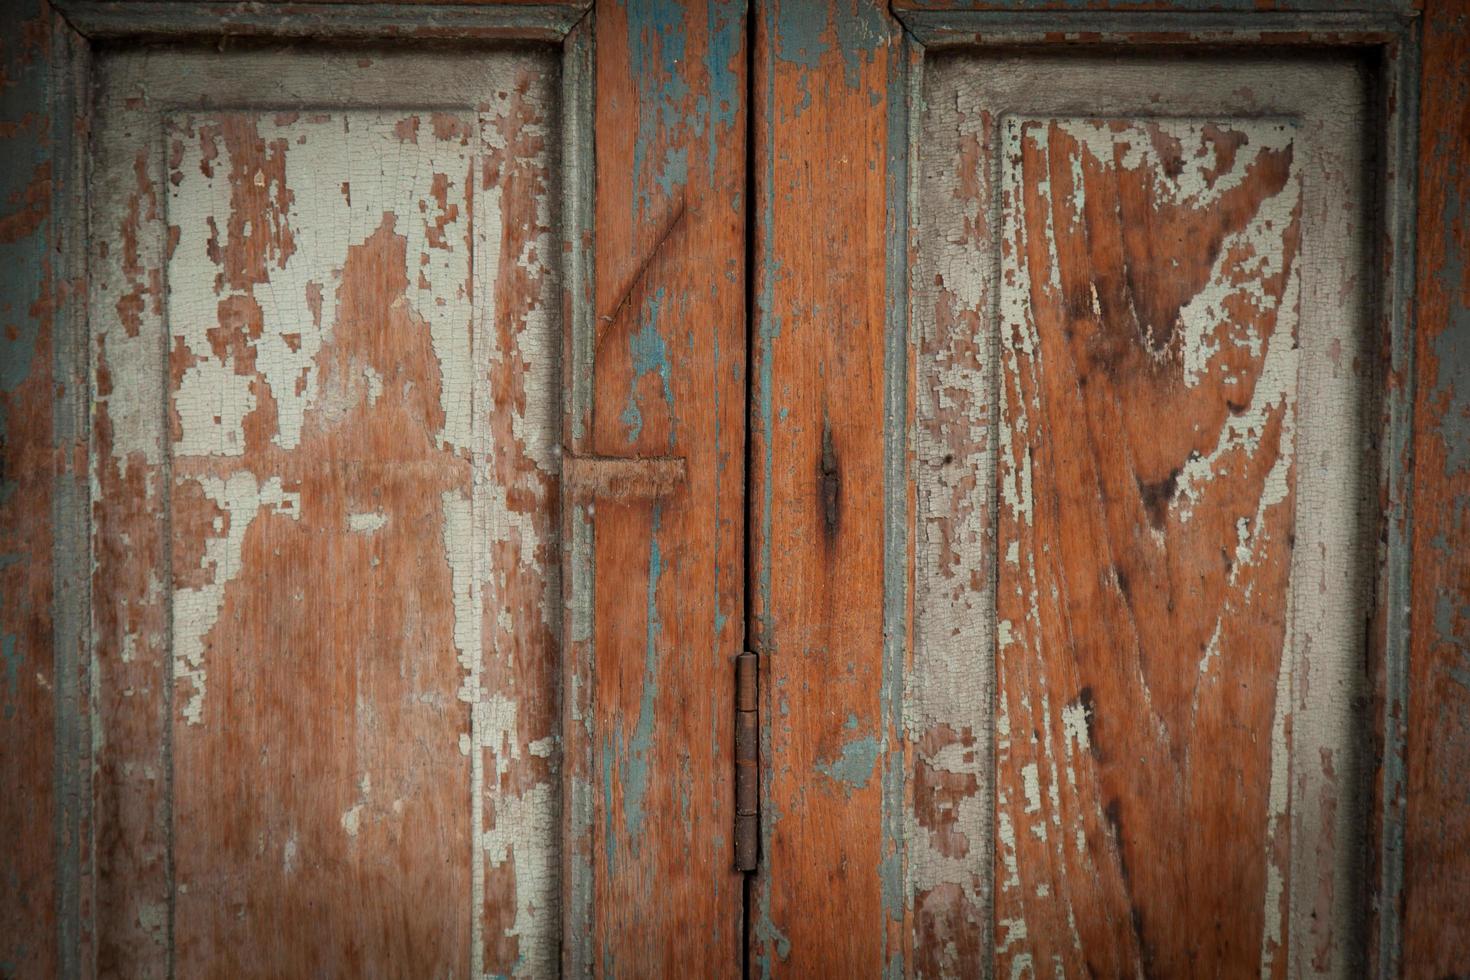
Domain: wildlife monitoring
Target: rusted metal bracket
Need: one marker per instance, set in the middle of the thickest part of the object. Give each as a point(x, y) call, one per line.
point(621, 477)
point(747, 762)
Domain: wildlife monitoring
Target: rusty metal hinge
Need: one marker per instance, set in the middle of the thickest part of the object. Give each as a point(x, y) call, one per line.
point(747, 762)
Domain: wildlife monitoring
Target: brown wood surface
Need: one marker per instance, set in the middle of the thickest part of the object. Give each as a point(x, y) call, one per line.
point(1142, 596)
point(670, 381)
point(817, 431)
point(1436, 912)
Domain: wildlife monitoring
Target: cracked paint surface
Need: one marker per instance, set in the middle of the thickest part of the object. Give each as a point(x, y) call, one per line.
point(339, 547)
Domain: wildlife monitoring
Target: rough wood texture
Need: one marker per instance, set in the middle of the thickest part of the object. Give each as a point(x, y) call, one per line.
point(828, 897)
point(1146, 496)
point(670, 381)
point(29, 470)
point(325, 473)
point(1166, 665)
point(1436, 926)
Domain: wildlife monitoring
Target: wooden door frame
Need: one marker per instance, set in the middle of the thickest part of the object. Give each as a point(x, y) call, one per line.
point(79, 27)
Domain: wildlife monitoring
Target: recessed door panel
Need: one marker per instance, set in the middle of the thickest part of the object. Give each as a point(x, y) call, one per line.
point(1145, 485)
point(326, 356)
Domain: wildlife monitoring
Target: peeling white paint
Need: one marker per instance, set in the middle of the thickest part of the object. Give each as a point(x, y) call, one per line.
point(197, 609)
point(367, 522)
point(297, 307)
point(345, 169)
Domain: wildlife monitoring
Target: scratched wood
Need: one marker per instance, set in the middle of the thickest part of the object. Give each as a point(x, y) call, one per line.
point(324, 465)
point(1436, 929)
point(670, 381)
point(1165, 609)
point(827, 899)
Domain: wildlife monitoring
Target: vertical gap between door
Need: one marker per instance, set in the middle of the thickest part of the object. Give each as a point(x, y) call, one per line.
point(752, 10)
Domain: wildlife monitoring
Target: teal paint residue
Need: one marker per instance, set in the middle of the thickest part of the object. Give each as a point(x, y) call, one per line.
point(851, 723)
point(655, 49)
point(650, 355)
point(722, 62)
point(26, 280)
point(10, 655)
point(854, 767)
point(890, 865)
point(1452, 345)
point(859, 35)
point(632, 417)
point(800, 25)
point(635, 774)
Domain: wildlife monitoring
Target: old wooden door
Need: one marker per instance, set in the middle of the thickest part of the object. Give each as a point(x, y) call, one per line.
point(329, 415)
point(412, 410)
point(1108, 528)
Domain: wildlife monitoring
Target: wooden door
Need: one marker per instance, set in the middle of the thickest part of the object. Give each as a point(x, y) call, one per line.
point(1088, 572)
point(333, 416)
point(399, 450)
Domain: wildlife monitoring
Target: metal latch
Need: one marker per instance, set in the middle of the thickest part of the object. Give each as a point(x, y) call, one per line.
point(747, 762)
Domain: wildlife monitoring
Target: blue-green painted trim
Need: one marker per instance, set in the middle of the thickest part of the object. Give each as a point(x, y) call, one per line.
point(62, 100)
point(904, 114)
point(1400, 110)
point(113, 19)
point(1336, 28)
point(579, 183)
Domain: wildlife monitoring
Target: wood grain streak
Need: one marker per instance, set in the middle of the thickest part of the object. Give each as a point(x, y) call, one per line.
point(1148, 301)
point(669, 382)
point(827, 897)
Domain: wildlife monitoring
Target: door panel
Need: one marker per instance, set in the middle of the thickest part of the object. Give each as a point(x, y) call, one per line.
point(1145, 397)
point(326, 608)
point(1133, 373)
point(1092, 379)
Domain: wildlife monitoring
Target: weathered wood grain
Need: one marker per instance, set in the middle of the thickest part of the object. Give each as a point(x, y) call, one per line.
point(325, 468)
point(1436, 923)
point(1148, 307)
point(669, 381)
point(828, 897)
point(1113, 361)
